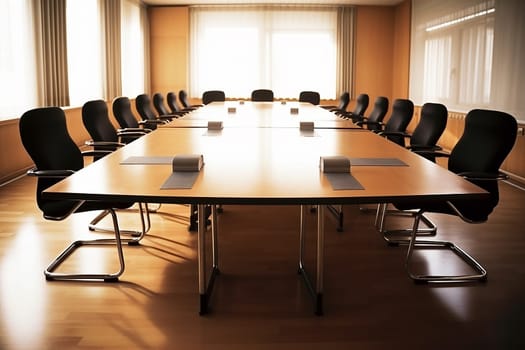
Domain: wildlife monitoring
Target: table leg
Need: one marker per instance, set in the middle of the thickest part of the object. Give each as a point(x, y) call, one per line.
point(317, 291)
point(201, 257)
point(320, 260)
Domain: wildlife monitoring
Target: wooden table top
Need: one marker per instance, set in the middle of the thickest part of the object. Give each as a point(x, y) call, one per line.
point(262, 114)
point(263, 166)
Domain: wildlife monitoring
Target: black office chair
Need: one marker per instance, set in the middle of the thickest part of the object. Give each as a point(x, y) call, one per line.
point(374, 121)
point(184, 100)
point(344, 100)
point(160, 107)
point(171, 99)
point(121, 107)
point(487, 139)
point(45, 137)
point(213, 96)
point(312, 97)
point(146, 112)
point(395, 127)
point(431, 125)
point(104, 137)
point(262, 95)
point(359, 110)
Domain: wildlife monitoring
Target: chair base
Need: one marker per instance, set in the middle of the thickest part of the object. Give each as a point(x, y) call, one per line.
point(51, 275)
point(336, 211)
point(194, 222)
point(480, 275)
point(134, 233)
point(401, 236)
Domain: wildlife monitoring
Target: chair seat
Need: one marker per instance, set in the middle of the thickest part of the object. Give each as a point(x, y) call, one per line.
point(61, 208)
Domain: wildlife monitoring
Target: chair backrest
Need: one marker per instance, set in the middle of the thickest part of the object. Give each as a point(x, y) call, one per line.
point(378, 113)
point(96, 121)
point(361, 104)
point(402, 113)
point(144, 108)
point(158, 103)
point(262, 95)
point(486, 141)
point(344, 100)
point(213, 96)
point(171, 99)
point(46, 139)
point(122, 111)
point(310, 96)
point(183, 98)
point(432, 123)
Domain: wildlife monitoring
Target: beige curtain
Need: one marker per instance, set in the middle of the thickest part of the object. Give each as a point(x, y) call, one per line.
point(144, 23)
point(111, 29)
point(345, 49)
point(54, 52)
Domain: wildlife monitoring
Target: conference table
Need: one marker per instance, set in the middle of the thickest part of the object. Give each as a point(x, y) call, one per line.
point(264, 166)
point(285, 114)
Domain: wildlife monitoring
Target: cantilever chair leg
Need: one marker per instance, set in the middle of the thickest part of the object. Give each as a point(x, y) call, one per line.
point(134, 233)
point(336, 211)
point(50, 273)
point(401, 236)
point(480, 275)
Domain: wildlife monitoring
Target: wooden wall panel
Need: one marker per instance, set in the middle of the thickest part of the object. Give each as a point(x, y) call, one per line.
point(374, 51)
point(169, 48)
point(401, 50)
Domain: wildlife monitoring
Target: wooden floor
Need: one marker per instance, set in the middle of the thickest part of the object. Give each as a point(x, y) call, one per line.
point(259, 301)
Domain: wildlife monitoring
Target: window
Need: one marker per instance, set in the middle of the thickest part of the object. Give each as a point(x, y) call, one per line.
point(18, 72)
point(457, 56)
point(463, 54)
point(286, 49)
point(84, 51)
point(133, 49)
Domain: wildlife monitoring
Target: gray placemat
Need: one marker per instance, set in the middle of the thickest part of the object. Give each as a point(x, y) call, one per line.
point(180, 180)
point(147, 160)
point(343, 181)
point(377, 162)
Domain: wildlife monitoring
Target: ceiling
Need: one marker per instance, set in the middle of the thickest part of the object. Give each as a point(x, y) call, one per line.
point(323, 2)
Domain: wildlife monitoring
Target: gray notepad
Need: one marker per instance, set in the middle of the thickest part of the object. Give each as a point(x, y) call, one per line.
point(377, 162)
point(147, 160)
point(343, 181)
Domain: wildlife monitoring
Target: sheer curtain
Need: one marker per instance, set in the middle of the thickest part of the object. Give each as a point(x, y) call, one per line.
point(284, 48)
point(133, 48)
point(18, 71)
point(468, 54)
point(84, 54)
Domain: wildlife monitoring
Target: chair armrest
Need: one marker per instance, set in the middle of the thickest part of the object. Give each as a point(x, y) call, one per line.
point(482, 176)
point(132, 133)
point(432, 153)
point(174, 114)
point(131, 130)
point(393, 133)
point(417, 148)
point(104, 143)
point(96, 153)
point(367, 122)
point(50, 173)
point(154, 121)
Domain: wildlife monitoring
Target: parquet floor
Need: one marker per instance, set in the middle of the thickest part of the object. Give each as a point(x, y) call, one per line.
point(259, 301)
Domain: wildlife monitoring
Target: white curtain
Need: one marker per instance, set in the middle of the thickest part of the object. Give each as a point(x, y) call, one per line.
point(84, 51)
point(468, 54)
point(133, 49)
point(284, 48)
point(18, 71)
